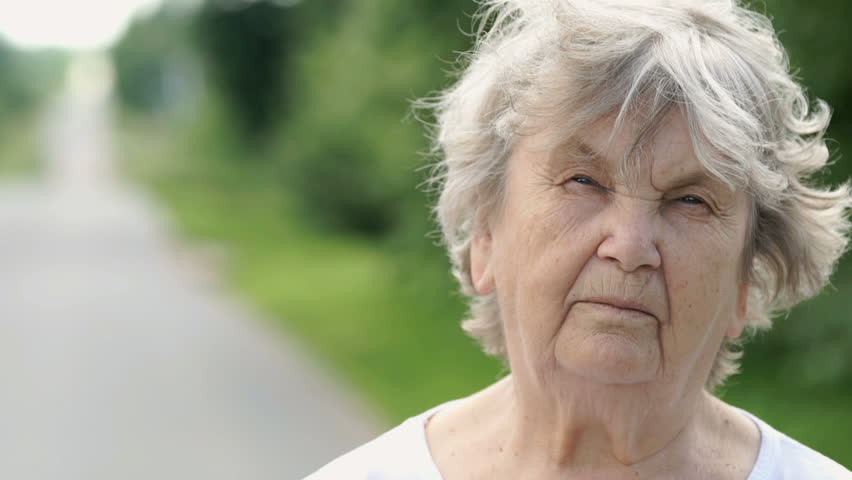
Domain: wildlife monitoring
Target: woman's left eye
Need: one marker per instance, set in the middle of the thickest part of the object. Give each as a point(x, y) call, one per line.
point(586, 180)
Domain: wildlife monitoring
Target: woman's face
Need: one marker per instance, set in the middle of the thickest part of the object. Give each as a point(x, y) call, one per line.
point(618, 279)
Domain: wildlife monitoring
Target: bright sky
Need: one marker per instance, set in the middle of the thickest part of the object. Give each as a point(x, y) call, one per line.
point(75, 24)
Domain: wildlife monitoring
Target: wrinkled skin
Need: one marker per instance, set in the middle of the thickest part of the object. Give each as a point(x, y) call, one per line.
point(617, 280)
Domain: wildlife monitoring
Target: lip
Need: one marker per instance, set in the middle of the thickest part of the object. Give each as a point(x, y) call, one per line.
point(622, 303)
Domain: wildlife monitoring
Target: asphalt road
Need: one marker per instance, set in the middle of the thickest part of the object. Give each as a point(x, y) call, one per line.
point(118, 360)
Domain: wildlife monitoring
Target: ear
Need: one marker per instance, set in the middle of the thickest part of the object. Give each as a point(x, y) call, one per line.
point(737, 325)
point(481, 270)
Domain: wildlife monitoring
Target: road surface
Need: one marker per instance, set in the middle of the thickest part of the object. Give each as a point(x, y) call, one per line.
point(117, 361)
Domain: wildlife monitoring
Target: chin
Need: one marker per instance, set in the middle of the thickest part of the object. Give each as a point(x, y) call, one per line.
point(609, 358)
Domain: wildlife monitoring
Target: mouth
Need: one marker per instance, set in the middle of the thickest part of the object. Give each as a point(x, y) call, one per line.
point(621, 304)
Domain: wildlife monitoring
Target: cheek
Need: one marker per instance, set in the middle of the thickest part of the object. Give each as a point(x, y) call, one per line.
point(701, 273)
point(703, 256)
point(550, 242)
point(540, 256)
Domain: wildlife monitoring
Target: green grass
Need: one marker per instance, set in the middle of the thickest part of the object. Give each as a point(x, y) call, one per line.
point(386, 321)
point(18, 146)
point(389, 334)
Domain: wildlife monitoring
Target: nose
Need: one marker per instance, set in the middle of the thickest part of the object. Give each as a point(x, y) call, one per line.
point(630, 235)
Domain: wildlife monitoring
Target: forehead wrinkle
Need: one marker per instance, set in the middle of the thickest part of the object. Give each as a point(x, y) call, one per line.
point(692, 177)
point(628, 170)
point(575, 153)
point(689, 179)
point(678, 156)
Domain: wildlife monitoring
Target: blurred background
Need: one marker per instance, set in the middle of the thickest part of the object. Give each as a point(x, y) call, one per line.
point(217, 258)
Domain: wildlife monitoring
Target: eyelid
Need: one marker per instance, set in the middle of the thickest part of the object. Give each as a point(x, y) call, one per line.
point(591, 179)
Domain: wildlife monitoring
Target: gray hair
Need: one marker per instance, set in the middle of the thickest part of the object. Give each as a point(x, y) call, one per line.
point(570, 62)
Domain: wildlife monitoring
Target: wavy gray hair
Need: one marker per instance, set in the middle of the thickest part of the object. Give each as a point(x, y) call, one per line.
point(570, 62)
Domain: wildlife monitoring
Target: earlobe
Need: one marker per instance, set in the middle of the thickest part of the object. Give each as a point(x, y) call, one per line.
point(480, 263)
point(737, 325)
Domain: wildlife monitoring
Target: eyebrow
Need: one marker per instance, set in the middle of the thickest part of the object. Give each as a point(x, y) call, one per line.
point(576, 153)
point(696, 178)
point(588, 151)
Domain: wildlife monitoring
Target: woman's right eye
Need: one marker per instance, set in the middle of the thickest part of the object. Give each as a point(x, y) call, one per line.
point(584, 180)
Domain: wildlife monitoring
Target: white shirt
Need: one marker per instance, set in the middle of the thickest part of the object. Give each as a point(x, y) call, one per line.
point(403, 454)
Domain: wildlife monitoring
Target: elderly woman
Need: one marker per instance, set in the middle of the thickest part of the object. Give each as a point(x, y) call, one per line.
point(624, 193)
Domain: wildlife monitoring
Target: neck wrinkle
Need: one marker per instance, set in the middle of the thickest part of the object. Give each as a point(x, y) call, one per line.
point(590, 431)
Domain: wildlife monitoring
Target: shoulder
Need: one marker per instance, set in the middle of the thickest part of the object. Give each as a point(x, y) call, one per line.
point(782, 458)
point(401, 453)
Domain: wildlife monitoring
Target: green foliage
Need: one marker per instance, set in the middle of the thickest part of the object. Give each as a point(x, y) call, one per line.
point(246, 47)
point(356, 79)
point(14, 93)
point(814, 339)
point(809, 346)
point(148, 54)
point(26, 77)
point(815, 34)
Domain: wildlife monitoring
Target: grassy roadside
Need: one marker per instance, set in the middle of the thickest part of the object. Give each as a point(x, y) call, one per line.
point(380, 318)
point(19, 146)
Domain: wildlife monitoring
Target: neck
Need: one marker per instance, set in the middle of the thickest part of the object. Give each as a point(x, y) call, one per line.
point(584, 425)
